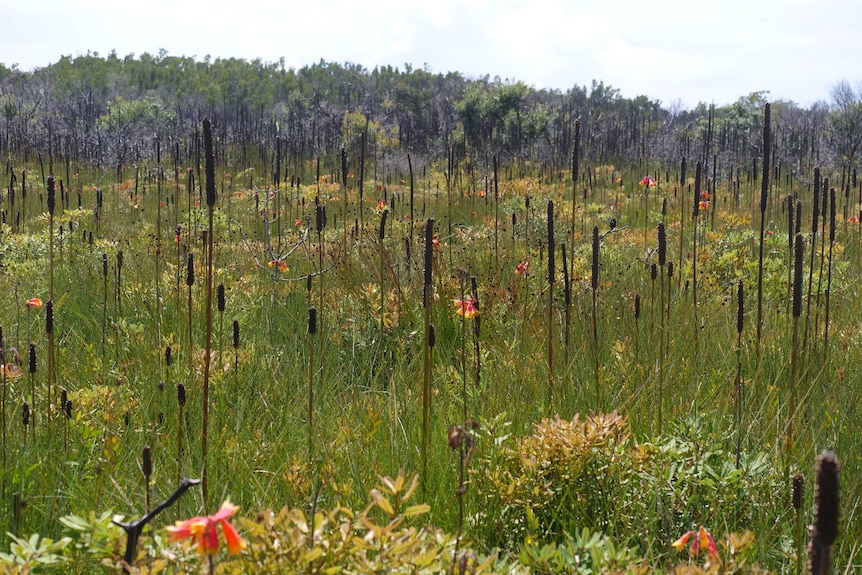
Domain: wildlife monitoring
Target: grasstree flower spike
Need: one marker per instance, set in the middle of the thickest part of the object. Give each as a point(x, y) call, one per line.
point(204, 531)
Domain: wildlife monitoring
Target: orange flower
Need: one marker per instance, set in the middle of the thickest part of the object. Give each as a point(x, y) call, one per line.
point(648, 182)
point(703, 204)
point(469, 308)
point(680, 543)
point(278, 264)
point(702, 540)
point(203, 530)
point(522, 267)
point(11, 370)
point(707, 542)
point(34, 302)
point(481, 193)
point(435, 243)
point(381, 206)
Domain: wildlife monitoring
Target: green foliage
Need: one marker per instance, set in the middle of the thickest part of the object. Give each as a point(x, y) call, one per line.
point(95, 534)
point(35, 551)
point(388, 536)
point(565, 476)
point(692, 479)
point(583, 552)
point(542, 490)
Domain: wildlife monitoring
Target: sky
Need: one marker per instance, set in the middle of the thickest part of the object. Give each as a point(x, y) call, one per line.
point(680, 52)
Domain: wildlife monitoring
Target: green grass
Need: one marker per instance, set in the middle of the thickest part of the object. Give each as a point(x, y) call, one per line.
point(369, 396)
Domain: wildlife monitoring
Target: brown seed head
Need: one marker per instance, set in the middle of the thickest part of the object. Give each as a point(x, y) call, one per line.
point(796, 491)
point(826, 498)
point(147, 466)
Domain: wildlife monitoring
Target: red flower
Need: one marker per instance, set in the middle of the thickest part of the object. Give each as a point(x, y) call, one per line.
point(707, 542)
point(469, 308)
point(203, 530)
point(481, 193)
point(381, 205)
point(34, 302)
point(648, 182)
point(522, 267)
point(703, 205)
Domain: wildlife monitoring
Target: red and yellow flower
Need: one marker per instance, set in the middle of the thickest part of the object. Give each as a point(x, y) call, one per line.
point(279, 264)
point(522, 267)
point(648, 182)
point(467, 307)
point(204, 531)
point(34, 302)
point(702, 540)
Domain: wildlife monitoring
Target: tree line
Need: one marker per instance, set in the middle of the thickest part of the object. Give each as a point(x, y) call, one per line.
point(108, 111)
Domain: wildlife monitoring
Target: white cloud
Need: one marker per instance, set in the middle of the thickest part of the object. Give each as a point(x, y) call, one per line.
point(667, 49)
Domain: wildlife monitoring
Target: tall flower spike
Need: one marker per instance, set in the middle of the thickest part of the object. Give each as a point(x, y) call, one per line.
point(209, 163)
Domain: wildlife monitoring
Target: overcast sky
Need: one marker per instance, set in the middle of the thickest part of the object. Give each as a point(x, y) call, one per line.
point(684, 51)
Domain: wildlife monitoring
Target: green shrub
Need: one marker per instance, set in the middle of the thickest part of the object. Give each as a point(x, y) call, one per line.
point(565, 476)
